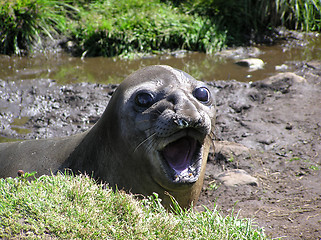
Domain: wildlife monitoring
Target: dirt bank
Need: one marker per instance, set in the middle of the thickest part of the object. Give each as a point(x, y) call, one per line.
point(276, 124)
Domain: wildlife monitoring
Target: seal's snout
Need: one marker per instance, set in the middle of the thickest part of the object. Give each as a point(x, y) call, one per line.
point(181, 129)
point(198, 123)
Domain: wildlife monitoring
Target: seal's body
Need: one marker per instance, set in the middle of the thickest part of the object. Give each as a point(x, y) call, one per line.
point(154, 136)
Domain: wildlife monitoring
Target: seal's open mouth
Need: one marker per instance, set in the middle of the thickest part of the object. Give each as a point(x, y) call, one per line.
point(179, 153)
point(182, 159)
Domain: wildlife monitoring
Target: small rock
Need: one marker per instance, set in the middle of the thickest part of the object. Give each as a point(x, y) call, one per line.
point(280, 82)
point(20, 173)
point(266, 141)
point(283, 76)
point(288, 126)
point(252, 63)
point(282, 67)
point(240, 52)
point(239, 106)
point(226, 148)
point(315, 64)
point(236, 177)
point(70, 44)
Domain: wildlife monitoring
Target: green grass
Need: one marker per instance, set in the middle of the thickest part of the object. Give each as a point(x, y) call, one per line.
point(23, 23)
point(106, 28)
point(121, 27)
point(245, 19)
point(68, 207)
point(298, 14)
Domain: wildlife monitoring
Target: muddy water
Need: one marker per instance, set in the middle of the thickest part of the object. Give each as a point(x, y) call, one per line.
point(65, 69)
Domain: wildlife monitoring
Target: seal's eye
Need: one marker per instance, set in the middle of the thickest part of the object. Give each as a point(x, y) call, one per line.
point(144, 99)
point(202, 94)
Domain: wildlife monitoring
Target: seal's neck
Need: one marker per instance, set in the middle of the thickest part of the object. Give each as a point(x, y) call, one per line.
point(89, 156)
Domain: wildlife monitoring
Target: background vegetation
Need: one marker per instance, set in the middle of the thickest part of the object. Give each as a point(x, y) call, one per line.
point(119, 27)
point(23, 23)
point(67, 207)
point(244, 19)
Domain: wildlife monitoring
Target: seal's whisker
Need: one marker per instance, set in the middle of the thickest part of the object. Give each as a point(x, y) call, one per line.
point(213, 135)
point(211, 139)
point(145, 120)
point(144, 141)
point(157, 112)
point(150, 146)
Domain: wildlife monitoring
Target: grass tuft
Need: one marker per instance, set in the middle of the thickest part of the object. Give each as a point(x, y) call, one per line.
point(121, 27)
point(70, 207)
point(247, 18)
point(23, 23)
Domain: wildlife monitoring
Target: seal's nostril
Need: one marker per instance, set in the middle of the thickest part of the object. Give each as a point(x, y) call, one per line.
point(198, 123)
point(181, 123)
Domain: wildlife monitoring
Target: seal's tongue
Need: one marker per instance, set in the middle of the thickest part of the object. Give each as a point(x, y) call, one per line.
point(179, 153)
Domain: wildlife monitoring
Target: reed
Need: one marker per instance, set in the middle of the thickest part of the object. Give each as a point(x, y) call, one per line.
point(111, 27)
point(250, 17)
point(23, 23)
point(299, 14)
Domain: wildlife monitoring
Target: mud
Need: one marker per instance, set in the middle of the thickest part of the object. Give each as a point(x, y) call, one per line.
point(278, 120)
point(271, 129)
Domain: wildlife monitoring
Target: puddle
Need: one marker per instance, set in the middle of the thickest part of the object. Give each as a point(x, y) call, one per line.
point(65, 69)
point(17, 125)
point(20, 121)
point(5, 139)
point(21, 130)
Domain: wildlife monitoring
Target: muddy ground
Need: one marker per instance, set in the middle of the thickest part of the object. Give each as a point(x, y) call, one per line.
point(270, 128)
point(279, 120)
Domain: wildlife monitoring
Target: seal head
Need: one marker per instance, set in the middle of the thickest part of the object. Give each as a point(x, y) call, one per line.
point(156, 132)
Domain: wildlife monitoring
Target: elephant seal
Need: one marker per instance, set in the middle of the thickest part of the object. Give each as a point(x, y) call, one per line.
point(154, 136)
